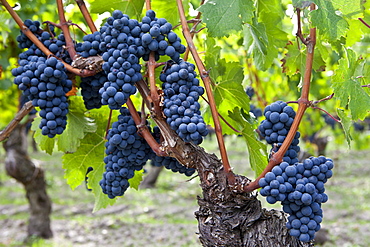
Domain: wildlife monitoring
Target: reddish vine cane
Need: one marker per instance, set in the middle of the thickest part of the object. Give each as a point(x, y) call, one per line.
point(40, 45)
point(303, 104)
point(207, 82)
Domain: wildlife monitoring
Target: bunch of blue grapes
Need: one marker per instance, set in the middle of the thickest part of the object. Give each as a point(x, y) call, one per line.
point(90, 45)
point(121, 47)
point(256, 111)
point(300, 189)
point(126, 152)
point(90, 87)
point(181, 93)
point(252, 108)
point(168, 162)
point(157, 36)
point(55, 43)
point(45, 83)
point(279, 118)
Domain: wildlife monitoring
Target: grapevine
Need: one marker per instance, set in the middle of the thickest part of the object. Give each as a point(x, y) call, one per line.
point(127, 95)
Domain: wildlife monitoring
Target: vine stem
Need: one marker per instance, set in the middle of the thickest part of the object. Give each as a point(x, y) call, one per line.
point(186, 55)
point(65, 28)
point(40, 45)
point(143, 130)
point(206, 80)
point(155, 109)
point(81, 4)
point(303, 104)
point(364, 22)
point(26, 108)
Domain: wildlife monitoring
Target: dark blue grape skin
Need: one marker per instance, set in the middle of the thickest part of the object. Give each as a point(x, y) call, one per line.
point(181, 93)
point(168, 162)
point(126, 152)
point(300, 198)
point(46, 92)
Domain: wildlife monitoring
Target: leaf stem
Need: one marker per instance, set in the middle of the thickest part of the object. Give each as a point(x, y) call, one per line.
point(40, 45)
point(195, 24)
point(303, 104)
point(143, 130)
point(364, 22)
point(27, 108)
point(70, 46)
point(86, 15)
point(206, 80)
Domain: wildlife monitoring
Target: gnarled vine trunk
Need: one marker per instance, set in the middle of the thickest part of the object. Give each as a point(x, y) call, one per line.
point(229, 219)
point(19, 166)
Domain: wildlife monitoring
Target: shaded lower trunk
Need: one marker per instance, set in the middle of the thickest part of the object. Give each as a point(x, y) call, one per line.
point(19, 166)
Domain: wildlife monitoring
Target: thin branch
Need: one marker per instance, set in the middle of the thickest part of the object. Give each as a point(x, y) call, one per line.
point(174, 146)
point(40, 45)
point(25, 110)
point(70, 46)
point(144, 131)
point(86, 15)
point(108, 124)
point(222, 118)
point(148, 5)
point(206, 80)
point(364, 22)
point(186, 55)
point(331, 116)
point(324, 99)
point(70, 23)
point(299, 29)
point(156, 109)
point(303, 104)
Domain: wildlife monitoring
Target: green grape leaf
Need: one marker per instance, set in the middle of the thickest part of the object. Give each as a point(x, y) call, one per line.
point(77, 127)
point(44, 142)
point(223, 16)
point(354, 37)
point(256, 43)
point(212, 59)
point(258, 157)
point(295, 60)
point(301, 4)
point(101, 200)
point(347, 87)
point(168, 9)
point(228, 93)
point(4, 25)
point(136, 180)
point(328, 23)
point(90, 152)
point(132, 8)
point(346, 123)
point(350, 11)
point(264, 36)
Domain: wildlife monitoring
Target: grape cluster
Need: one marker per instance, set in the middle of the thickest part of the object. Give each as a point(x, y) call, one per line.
point(22, 39)
point(121, 47)
point(90, 46)
point(279, 118)
point(252, 108)
point(90, 87)
point(157, 36)
point(256, 111)
point(126, 152)
point(168, 162)
point(300, 189)
point(181, 93)
point(56, 44)
point(45, 82)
